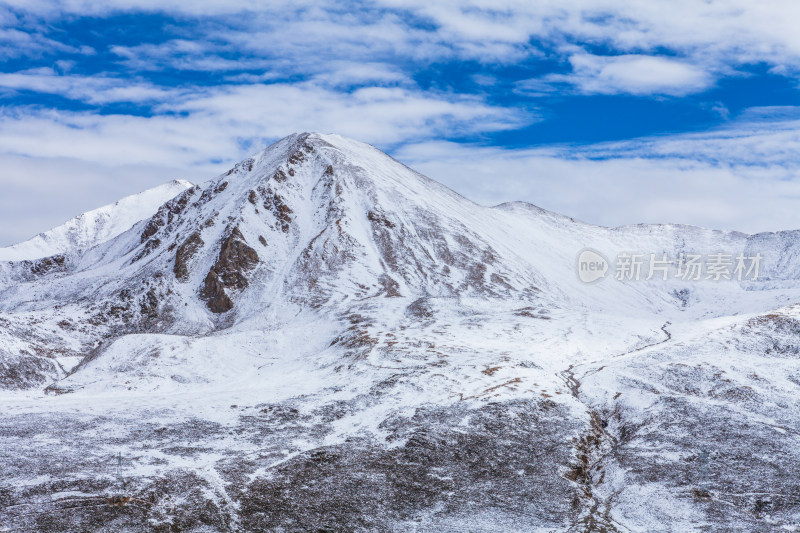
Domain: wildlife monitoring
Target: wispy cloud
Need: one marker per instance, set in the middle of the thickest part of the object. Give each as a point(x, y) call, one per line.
point(704, 40)
point(15, 43)
point(202, 83)
point(742, 177)
point(40, 193)
point(90, 89)
point(627, 74)
point(226, 122)
point(723, 32)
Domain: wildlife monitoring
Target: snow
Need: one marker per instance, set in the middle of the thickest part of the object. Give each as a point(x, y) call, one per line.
point(96, 226)
point(316, 332)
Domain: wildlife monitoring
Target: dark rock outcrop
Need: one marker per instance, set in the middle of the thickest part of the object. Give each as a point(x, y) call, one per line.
point(48, 264)
point(167, 213)
point(213, 292)
point(184, 253)
point(148, 248)
point(149, 304)
point(236, 258)
point(275, 203)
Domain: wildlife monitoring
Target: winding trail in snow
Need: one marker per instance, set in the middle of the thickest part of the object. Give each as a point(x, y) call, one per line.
point(598, 515)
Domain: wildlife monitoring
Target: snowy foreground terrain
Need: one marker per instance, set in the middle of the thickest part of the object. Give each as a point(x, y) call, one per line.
point(322, 339)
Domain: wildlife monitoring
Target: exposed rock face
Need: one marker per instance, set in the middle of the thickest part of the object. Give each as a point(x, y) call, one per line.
point(213, 291)
point(167, 213)
point(184, 253)
point(243, 166)
point(274, 203)
point(148, 305)
point(149, 247)
point(25, 371)
point(379, 219)
point(235, 260)
point(390, 286)
point(48, 264)
point(279, 176)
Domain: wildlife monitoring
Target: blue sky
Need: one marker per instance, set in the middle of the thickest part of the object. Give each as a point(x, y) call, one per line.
point(680, 111)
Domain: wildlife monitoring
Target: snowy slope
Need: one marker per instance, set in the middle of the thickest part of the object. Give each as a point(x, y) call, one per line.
point(323, 339)
point(96, 226)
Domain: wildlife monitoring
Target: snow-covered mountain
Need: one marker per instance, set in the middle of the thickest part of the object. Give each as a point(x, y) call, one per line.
point(96, 226)
point(323, 339)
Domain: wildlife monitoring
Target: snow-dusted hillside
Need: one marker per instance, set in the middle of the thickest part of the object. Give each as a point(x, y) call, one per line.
point(96, 226)
point(322, 339)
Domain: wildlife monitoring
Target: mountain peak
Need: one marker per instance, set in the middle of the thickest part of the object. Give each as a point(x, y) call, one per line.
point(96, 226)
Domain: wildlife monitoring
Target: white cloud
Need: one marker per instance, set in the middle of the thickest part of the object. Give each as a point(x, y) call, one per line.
point(349, 73)
point(40, 193)
point(104, 7)
point(635, 74)
point(714, 32)
point(59, 163)
point(90, 89)
point(706, 39)
point(374, 114)
point(17, 43)
point(740, 177)
point(182, 54)
point(746, 177)
point(220, 122)
point(622, 74)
